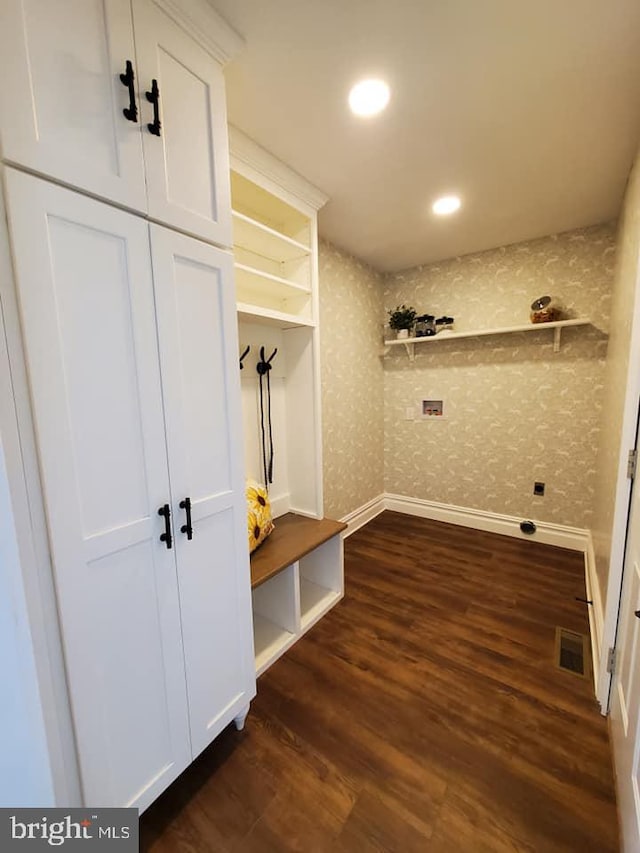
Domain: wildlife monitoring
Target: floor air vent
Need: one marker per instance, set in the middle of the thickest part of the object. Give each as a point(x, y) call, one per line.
point(572, 652)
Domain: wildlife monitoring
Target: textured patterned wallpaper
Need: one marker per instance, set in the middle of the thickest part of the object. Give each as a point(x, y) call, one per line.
point(514, 411)
point(624, 302)
point(352, 381)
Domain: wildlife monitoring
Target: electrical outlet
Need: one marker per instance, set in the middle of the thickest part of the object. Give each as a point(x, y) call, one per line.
point(538, 489)
point(410, 413)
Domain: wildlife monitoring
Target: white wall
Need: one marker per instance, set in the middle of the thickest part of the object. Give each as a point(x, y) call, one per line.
point(25, 778)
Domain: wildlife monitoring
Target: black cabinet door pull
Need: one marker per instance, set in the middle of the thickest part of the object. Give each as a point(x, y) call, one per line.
point(166, 536)
point(187, 528)
point(128, 79)
point(154, 98)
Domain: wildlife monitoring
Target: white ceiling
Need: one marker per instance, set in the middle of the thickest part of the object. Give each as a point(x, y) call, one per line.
point(530, 111)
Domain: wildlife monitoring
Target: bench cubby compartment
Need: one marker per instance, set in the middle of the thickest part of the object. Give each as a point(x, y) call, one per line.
point(296, 576)
point(321, 581)
point(276, 616)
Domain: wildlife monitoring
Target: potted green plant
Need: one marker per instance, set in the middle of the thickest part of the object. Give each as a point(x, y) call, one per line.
point(401, 319)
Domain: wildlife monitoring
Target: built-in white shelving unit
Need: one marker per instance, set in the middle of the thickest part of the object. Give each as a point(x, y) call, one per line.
point(297, 574)
point(556, 326)
point(275, 252)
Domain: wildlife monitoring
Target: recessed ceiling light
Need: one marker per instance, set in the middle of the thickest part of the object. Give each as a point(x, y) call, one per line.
point(369, 97)
point(446, 204)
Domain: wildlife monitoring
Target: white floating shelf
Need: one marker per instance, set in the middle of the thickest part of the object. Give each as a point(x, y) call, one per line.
point(252, 235)
point(271, 317)
point(557, 327)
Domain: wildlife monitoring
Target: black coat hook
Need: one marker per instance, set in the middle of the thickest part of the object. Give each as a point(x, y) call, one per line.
point(264, 365)
point(264, 368)
point(243, 356)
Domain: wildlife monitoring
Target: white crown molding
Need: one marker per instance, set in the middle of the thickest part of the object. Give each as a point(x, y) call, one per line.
point(246, 153)
point(205, 26)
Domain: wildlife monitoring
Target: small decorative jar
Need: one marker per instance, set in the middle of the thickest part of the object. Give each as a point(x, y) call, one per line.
point(420, 327)
point(425, 326)
point(546, 309)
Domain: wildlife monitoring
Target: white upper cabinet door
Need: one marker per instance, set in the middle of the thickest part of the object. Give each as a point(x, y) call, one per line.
point(201, 385)
point(87, 305)
point(187, 154)
point(61, 99)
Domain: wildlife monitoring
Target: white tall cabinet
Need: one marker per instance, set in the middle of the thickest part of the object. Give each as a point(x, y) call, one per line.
point(128, 327)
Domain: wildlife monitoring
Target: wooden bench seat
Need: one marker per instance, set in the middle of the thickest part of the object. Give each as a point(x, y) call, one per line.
point(294, 537)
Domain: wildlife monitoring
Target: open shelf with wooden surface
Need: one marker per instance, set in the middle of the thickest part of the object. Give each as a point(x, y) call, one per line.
point(293, 538)
point(297, 576)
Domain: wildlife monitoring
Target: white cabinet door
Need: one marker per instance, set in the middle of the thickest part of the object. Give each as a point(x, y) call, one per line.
point(187, 164)
point(87, 305)
point(201, 386)
point(61, 99)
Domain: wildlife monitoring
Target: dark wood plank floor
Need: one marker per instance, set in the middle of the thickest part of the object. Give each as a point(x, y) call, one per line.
point(424, 713)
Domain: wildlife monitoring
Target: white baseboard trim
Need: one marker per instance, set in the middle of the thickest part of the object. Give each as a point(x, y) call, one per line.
point(362, 515)
point(596, 615)
point(574, 538)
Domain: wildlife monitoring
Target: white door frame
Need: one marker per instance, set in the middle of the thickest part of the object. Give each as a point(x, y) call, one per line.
point(622, 502)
